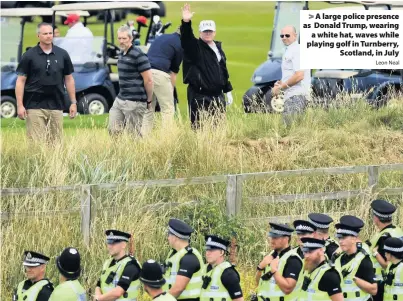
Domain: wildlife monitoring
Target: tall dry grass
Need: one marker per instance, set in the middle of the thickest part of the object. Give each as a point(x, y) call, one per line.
point(353, 135)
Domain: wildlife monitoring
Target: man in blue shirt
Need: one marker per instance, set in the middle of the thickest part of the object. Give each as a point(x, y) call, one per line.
point(165, 56)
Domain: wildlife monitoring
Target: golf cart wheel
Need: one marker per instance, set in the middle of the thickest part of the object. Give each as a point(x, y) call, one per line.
point(8, 107)
point(93, 104)
point(277, 104)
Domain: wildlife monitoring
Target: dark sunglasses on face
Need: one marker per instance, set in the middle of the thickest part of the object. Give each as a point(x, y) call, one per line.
point(285, 35)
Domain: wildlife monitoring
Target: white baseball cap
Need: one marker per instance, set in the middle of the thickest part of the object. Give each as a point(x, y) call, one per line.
point(207, 25)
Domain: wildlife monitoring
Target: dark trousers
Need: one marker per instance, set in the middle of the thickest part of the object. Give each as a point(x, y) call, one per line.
point(204, 105)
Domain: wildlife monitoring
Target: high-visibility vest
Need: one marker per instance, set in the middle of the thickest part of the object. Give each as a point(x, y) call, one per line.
point(193, 288)
point(312, 292)
point(215, 290)
point(350, 289)
point(269, 288)
point(70, 290)
point(393, 232)
point(32, 293)
point(394, 290)
point(117, 270)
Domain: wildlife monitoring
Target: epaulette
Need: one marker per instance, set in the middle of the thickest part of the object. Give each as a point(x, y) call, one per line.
point(189, 249)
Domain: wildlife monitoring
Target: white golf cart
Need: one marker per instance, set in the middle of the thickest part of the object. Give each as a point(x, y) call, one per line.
point(12, 23)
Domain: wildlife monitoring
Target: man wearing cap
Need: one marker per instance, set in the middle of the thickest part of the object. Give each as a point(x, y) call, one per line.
point(322, 223)
point(382, 212)
point(204, 69)
point(120, 273)
point(36, 287)
point(184, 265)
point(153, 280)
point(281, 268)
point(321, 281)
point(359, 281)
point(69, 288)
point(393, 278)
point(78, 40)
point(221, 281)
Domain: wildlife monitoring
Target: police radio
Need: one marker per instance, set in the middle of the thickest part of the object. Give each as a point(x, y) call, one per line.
point(306, 283)
point(110, 278)
point(206, 281)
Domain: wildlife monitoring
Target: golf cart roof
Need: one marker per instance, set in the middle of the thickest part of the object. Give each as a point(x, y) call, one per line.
point(105, 6)
point(38, 11)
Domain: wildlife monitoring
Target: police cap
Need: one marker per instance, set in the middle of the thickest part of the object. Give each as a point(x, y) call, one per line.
point(179, 228)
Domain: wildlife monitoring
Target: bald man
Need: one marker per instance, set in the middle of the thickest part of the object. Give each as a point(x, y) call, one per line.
point(295, 82)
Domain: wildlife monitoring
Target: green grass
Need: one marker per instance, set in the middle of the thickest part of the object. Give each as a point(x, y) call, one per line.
point(351, 135)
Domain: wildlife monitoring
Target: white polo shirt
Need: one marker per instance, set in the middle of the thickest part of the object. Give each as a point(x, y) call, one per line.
point(291, 64)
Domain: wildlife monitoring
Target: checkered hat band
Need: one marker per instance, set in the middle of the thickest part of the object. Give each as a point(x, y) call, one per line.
point(181, 236)
point(304, 228)
point(322, 226)
point(279, 232)
point(312, 245)
point(117, 237)
point(35, 260)
point(216, 244)
point(381, 215)
point(397, 250)
point(347, 232)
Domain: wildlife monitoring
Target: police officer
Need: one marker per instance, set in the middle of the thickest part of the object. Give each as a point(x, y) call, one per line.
point(120, 273)
point(221, 281)
point(393, 278)
point(153, 280)
point(321, 280)
point(184, 265)
point(382, 212)
point(281, 268)
point(303, 229)
point(322, 223)
point(36, 287)
point(354, 264)
point(69, 289)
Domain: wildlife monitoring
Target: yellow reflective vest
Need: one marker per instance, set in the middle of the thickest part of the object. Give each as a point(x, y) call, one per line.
point(111, 275)
point(394, 283)
point(215, 290)
point(193, 288)
point(268, 287)
point(30, 294)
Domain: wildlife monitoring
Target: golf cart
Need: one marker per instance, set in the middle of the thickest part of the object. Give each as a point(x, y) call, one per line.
point(12, 31)
point(258, 98)
point(96, 84)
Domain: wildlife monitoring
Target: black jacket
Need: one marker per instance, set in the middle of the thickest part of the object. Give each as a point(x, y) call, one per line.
point(201, 69)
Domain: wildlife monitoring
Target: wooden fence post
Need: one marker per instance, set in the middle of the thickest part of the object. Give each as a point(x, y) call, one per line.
point(238, 194)
point(231, 194)
point(86, 200)
point(373, 178)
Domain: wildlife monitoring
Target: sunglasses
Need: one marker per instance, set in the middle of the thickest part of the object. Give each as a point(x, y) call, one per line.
point(47, 67)
point(285, 35)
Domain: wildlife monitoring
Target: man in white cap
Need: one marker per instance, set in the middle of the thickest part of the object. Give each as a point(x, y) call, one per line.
point(36, 287)
point(204, 69)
